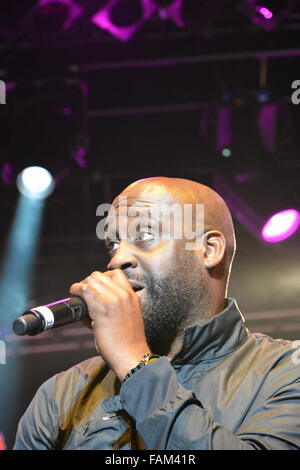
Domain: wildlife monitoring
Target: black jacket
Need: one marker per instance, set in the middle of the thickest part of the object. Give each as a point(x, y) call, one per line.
point(225, 389)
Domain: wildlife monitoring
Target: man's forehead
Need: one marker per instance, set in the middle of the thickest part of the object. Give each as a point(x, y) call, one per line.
point(144, 199)
point(152, 200)
point(143, 208)
point(159, 209)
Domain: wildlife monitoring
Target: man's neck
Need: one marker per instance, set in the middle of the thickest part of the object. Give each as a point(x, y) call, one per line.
point(195, 319)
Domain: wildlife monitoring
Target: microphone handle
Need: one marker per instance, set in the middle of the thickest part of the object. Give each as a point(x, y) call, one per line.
point(50, 316)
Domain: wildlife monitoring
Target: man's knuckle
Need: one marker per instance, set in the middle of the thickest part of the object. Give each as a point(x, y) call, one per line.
point(94, 274)
point(126, 295)
point(82, 287)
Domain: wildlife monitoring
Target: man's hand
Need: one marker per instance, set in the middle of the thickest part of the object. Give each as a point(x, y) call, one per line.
point(116, 319)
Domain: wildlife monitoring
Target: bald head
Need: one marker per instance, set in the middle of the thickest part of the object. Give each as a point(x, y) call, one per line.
point(169, 190)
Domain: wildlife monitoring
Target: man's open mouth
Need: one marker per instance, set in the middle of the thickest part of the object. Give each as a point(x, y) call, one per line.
point(136, 286)
point(137, 289)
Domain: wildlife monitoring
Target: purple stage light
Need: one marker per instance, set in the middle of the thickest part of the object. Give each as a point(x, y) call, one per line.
point(171, 10)
point(265, 12)
point(281, 226)
point(122, 21)
point(79, 156)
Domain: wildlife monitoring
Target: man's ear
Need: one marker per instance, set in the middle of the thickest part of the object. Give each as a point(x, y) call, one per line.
point(214, 245)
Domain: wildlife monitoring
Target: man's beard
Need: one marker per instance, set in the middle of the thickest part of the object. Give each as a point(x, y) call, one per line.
point(172, 302)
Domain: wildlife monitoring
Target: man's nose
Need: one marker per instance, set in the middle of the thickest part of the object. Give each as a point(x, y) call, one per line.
point(123, 258)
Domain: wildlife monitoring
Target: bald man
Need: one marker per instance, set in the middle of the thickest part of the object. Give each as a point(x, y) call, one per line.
point(176, 367)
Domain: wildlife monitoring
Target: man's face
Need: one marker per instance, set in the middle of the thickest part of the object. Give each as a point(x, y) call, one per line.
point(171, 278)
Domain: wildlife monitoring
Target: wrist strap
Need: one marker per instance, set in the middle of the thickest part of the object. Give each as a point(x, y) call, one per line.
point(147, 359)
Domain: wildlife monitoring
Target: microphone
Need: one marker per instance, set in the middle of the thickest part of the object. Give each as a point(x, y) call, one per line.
point(59, 313)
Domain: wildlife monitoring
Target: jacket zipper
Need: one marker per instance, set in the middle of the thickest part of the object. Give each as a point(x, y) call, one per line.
point(180, 350)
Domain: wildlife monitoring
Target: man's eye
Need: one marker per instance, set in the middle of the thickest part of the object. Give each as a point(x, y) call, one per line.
point(111, 246)
point(143, 236)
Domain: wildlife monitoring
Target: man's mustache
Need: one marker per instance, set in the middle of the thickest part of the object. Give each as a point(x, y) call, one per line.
point(145, 280)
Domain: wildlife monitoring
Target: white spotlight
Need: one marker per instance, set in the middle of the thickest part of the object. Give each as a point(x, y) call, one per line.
point(35, 182)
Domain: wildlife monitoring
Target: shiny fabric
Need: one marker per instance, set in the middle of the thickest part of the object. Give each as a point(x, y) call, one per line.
point(225, 389)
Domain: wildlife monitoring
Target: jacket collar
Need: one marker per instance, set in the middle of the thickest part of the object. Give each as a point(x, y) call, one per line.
point(219, 337)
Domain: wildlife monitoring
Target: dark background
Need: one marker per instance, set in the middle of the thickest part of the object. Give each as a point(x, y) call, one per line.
point(146, 107)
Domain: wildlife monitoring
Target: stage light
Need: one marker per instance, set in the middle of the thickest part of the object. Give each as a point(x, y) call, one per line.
point(265, 12)
point(35, 182)
point(226, 152)
point(2, 442)
point(278, 228)
point(263, 96)
point(170, 9)
point(269, 13)
point(281, 226)
point(122, 18)
point(15, 288)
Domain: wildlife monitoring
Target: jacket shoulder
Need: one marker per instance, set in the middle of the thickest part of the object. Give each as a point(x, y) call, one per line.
point(87, 374)
point(278, 355)
point(280, 342)
point(78, 392)
point(273, 347)
point(84, 369)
